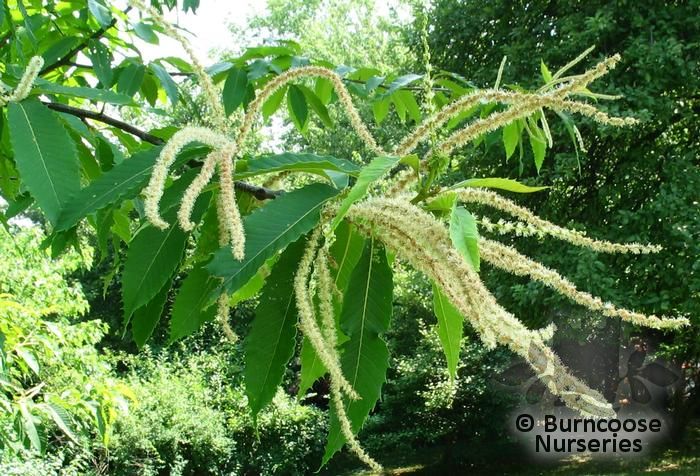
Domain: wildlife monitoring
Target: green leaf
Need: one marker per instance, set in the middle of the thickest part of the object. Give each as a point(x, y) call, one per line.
point(539, 147)
point(61, 418)
point(346, 252)
point(311, 367)
point(298, 110)
point(464, 235)
point(272, 338)
point(324, 90)
point(380, 109)
point(155, 254)
point(146, 33)
point(450, 327)
point(400, 82)
point(146, 318)
point(273, 103)
point(269, 229)
point(254, 285)
point(511, 137)
point(546, 74)
point(28, 358)
point(95, 94)
point(369, 174)
point(29, 426)
point(101, 62)
point(302, 162)
point(234, 89)
point(100, 12)
point(500, 183)
point(367, 309)
point(409, 102)
point(191, 309)
point(317, 106)
point(166, 81)
point(123, 181)
point(45, 155)
point(130, 79)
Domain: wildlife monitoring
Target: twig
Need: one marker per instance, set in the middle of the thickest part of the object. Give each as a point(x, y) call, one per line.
point(261, 193)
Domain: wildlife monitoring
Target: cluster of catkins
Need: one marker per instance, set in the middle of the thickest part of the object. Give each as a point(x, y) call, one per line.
point(413, 234)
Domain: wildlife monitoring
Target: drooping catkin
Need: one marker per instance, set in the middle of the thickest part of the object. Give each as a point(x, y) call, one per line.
point(508, 259)
point(494, 200)
point(24, 86)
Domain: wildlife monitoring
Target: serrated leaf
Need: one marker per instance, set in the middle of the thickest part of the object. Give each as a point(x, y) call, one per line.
point(298, 110)
point(45, 155)
point(400, 82)
point(130, 79)
point(500, 183)
point(101, 62)
point(324, 90)
point(312, 163)
point(380, 109)
point(273, 103)
point(145, 318)
point(464, 235)
point(234, 89)
point(367, 309)
point(146, 33)
point(272, 338)
point(368, 175)
point(123, 181)
point(155, 254)
point(539, 148)
point(511, 137)
point(166, 81)
point(449, 329)
point(311, 367)
point(62, 420)
point(269, 229)
point(95, 94)
point(191, 309)
point(29, 426)
point(317, 106)
point(254, 284)
point(546, 74)
point(409, 102)
point(100, 12)
point(28, 358)
point(346, 252)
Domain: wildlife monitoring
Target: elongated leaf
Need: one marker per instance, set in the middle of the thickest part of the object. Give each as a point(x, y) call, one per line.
point(63, 421)
point(95, 94)
point(400, 82)
point(366, 314)
point(511, 137)
point(146, 318)
point(101, 62)
point(100, 12)
point(123, 181)
point(318, 107)
point(166, 81)
point(190, 309)
point(346, 252)
point(380, 109)
point(234, 89)
point(500, 183)
point(270, 229)
point(45, 155)
point(154, 254)
point(270, 343)
point(369, 174)
point(146, 33)
point(130, 79)
point(273, 103)
point(298, 110)
point(311, 367)
point(464, 235)
point(290, 161)
point(29, 426)
point(450, 326)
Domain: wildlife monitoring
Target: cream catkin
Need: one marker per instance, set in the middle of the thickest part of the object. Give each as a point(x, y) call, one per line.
point(24, 86)
point(508, 259)
point(424, 242)
point(492, 199)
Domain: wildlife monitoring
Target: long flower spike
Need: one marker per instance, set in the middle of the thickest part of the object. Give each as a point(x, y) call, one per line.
point(508, 259)
point(494, 200)
point(24, 86)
